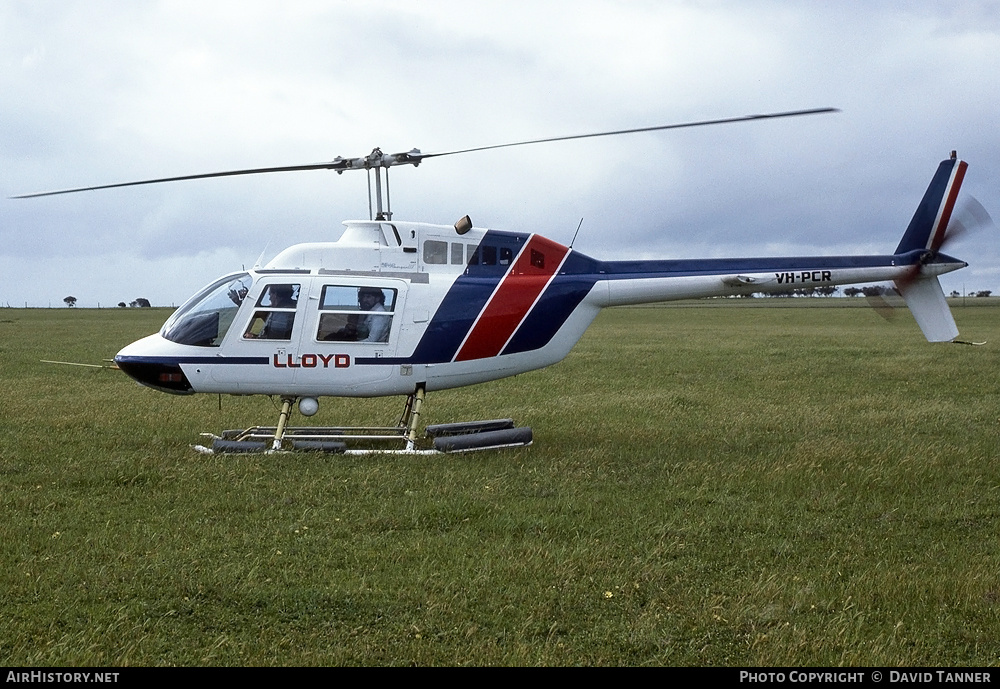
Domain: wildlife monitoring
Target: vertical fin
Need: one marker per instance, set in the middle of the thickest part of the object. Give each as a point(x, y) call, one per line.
point(927, 227)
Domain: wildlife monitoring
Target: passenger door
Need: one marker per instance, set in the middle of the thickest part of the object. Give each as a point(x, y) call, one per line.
point(351, 323)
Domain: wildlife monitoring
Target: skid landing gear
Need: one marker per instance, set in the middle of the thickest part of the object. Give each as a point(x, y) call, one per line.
point(363, 440)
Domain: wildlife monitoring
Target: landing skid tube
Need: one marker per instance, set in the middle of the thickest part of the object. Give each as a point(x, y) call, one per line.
point(401, 439)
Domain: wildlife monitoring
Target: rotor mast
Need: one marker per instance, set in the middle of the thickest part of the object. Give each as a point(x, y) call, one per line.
point(377, 160)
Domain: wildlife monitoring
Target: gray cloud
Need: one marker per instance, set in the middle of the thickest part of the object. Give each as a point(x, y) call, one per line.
point(99, 92)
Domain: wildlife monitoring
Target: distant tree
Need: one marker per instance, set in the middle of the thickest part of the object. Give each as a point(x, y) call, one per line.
point(70, 301)
point(852, 291)
point(142, 303)
point(826, 290)
point(984, 293)
point(122, 305)
point(955, 293)
point(877, 290)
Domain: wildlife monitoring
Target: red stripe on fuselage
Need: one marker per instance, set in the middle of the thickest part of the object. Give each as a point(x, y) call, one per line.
point(512, 300)
point(937, 236)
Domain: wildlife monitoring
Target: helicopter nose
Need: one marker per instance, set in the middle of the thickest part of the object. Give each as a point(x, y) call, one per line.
point(159, 375)
point(158, 372)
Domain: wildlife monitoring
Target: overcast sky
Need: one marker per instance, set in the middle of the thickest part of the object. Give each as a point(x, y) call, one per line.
point(98, 92)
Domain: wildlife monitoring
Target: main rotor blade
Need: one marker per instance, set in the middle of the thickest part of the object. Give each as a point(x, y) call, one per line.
point(683, 125)
point(228, 173)
point(415, 157)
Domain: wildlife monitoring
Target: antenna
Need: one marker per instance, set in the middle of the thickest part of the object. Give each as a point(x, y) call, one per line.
point(260, 259)
point(576, 233)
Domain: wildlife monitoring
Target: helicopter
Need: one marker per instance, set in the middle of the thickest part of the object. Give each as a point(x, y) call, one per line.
point(396, 308)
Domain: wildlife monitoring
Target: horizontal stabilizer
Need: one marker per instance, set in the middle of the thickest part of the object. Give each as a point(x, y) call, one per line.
point(926, 300)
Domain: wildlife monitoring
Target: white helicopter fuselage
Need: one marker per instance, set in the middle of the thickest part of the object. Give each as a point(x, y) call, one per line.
point(392, 307)
point(459, 310)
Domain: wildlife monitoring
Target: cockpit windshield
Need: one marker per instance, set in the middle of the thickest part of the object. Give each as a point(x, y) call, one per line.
point(205, 319)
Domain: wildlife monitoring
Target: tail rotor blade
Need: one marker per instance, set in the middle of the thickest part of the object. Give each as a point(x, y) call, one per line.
point(885, 303)
point(971, 217)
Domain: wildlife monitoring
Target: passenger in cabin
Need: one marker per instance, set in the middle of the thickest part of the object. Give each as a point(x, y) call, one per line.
point(369, 321)
point(372, 327)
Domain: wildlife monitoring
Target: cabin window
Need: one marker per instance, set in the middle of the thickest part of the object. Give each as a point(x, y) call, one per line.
point(487, 255)
point(356, 314)
point(205, 319)
point(435, 252)
point(457, 254)
point(275, 314)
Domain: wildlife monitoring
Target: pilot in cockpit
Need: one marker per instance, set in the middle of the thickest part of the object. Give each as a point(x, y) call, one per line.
point(274, 325)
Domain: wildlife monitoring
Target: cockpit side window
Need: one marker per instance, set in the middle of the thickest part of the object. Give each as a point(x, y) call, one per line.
point(356, 314)
point(275, 315)
point(205, 319)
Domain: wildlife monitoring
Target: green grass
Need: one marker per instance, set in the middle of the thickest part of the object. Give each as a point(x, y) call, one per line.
point(709, 485)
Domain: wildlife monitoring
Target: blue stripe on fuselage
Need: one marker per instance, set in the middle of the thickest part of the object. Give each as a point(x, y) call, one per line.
point(177, 360)
point(630, 270)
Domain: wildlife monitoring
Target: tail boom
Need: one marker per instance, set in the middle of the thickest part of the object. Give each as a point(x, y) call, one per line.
point(635, 282)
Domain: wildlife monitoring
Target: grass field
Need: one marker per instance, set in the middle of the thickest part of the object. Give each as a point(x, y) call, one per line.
point(709, 485)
